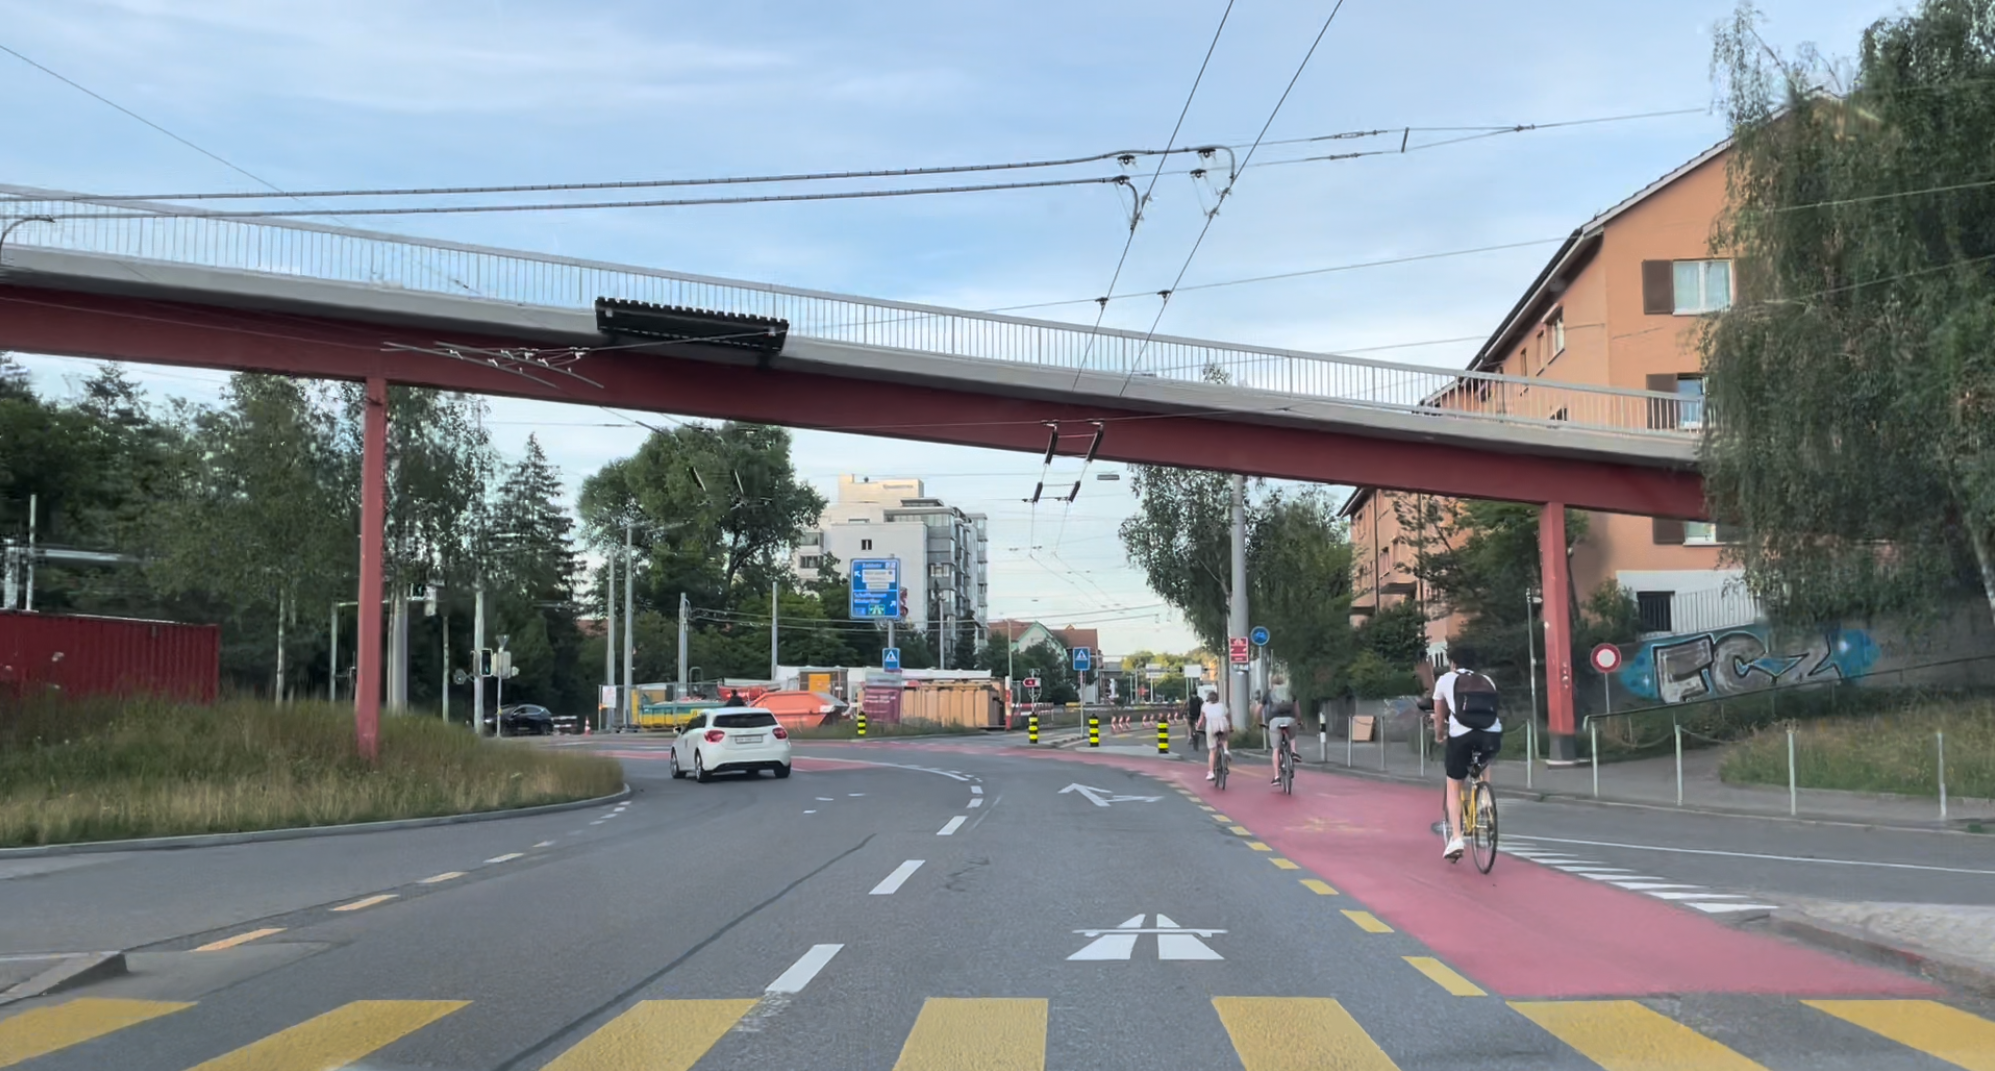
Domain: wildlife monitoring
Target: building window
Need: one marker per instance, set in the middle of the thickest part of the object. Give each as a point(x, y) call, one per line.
point(1700, 534)
point(865, 544)
point(1555, 331)
point(1690, 407)
point(1653, 610)
point(1702, 286)
point(809, 561)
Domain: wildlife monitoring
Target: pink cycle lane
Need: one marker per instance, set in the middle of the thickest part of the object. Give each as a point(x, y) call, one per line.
point(1523, 930)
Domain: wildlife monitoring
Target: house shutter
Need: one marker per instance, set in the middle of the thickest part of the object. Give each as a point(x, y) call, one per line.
point(1662, 414)
point(1668, 532)
point(1658, 288)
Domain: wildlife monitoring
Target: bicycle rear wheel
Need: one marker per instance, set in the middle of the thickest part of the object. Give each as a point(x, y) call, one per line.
point(1219, 768)
point(1288, 770)
point(1485, 826)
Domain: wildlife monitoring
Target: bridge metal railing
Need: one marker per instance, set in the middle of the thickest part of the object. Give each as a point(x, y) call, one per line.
point(174, 234)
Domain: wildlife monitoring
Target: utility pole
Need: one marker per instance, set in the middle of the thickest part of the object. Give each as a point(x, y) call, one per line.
point(629, 625)
point(775, 668)
point(446, 667)
point(945, 637)
point(1236, 608)
point(33, 502)
point(279, 695)
point(332, 658)
point(685, 610)
point(477, 659)
point(610, 635)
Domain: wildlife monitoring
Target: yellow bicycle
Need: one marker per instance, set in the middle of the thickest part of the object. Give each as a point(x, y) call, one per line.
point(1477, 822)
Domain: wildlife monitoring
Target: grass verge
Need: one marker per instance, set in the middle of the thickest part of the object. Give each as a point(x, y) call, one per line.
point(110, 769)
point(1896, 752)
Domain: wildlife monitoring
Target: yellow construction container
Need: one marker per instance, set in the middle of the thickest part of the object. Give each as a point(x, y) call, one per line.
point(963, 704)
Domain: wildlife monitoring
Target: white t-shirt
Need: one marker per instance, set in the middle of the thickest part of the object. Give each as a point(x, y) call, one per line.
point(1216, 718)
point(1445, 689)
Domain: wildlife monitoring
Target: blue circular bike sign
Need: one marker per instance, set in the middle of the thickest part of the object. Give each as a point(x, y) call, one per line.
point(1259, 636)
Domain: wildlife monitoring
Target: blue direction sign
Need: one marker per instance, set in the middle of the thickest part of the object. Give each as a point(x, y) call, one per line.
point(876, 587)
point(1259, 636)
point(890, 659)
point(1083, 659)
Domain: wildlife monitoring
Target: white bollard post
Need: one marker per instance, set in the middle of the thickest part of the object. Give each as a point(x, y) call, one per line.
point(1323, 743)
point(1794, 794)
point(1530, 745)
point(1593, 745)
point(1382, 722)
point(1350, 729)
point(1940, 739)
point(1423, 756)
point(1679, 766)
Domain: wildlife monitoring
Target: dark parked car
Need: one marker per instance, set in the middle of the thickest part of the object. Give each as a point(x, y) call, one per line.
point(524, 719)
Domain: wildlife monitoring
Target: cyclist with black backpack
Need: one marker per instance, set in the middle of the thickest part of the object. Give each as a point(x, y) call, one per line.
point(1465, 721)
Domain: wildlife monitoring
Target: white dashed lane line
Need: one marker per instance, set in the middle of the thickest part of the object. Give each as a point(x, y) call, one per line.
point(977, 802)
point(449, 875)
point(804, 969)
point(506, 858)
point(955, 824)
point(976, 790)
point(892, 882)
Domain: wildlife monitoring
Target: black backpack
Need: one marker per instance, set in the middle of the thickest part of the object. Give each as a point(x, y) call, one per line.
point(1475, 700)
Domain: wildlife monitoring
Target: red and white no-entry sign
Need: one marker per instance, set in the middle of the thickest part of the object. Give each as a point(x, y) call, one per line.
point(1606, 658)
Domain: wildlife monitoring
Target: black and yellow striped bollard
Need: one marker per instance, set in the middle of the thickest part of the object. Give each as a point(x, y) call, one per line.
point(1094, 731)
point(1163, 736)
point(861, 721)
point(1032, 729)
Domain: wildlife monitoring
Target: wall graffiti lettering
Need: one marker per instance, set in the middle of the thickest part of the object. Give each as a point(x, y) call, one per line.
point(1728, 662)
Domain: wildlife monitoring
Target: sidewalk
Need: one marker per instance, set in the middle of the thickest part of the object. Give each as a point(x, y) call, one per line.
point(1948, 943)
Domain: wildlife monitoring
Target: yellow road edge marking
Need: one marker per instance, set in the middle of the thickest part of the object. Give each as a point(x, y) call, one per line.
point(40, 1031)
point(1940, 1031)
point(1623, 1035)
point(1298, 1034)
point(369, 901)
point(1444, 976)
point(1318, 886)
point(1258, 846)
point(1367, 921)
point(448, 875)
point(1286, 864)
point(984, 1034)
point(658, 1035)
point(335, 1039)
point(239, 939)
point(1221, 818)
point(1239, 830)
point(1208, 810)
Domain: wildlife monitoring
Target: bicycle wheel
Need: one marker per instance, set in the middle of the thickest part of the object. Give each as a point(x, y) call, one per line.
point(1219, 768)
point(1485, 826)
point(1288, 770)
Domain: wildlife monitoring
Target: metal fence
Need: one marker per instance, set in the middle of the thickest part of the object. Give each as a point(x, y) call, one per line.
point(138, 232)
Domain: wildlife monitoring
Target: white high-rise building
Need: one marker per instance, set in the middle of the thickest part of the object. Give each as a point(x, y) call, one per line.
point(944, 552)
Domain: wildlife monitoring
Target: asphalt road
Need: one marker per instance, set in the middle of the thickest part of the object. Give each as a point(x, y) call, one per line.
point(949, 906)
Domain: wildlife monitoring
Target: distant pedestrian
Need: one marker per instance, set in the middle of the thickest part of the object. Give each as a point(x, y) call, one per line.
point(734, 699)
point(1191, 721)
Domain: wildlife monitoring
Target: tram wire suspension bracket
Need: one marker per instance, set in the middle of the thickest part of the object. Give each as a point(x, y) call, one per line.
point(761, 335)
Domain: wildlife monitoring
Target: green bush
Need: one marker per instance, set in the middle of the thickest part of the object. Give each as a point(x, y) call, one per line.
point(102, 769)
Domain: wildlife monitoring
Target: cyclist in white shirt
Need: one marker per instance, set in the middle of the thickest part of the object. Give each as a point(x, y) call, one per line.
point(1465, 721)
point(1217, 725)
point(1281, 720)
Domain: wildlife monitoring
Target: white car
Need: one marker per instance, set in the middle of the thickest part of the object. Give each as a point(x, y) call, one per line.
point(727, 739)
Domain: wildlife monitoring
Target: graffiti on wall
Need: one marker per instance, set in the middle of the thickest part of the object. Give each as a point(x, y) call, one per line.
point(1735, 661)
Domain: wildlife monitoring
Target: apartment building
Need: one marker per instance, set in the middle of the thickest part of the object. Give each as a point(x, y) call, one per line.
point(1617, 306)
point(944, 552)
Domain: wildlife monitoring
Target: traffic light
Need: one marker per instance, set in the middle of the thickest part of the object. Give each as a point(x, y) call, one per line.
point(485, 662)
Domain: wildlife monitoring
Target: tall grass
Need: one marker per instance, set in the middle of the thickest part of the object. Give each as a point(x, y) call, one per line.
point(1894, 752)
point(108, 769)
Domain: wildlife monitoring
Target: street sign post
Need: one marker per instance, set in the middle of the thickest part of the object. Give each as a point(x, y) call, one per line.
point(1083, 659)
point(1606, 658)
point(890, 659)
point(1260, 636)
point(876, 588)
point(1238, 651)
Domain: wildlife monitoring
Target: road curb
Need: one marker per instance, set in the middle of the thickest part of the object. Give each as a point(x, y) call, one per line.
point(212, 840)
point(1866, 944)
point(69, 971)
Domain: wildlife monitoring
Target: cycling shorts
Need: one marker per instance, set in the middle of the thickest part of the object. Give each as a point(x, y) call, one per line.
point(1460, 747)
point(1283, 724)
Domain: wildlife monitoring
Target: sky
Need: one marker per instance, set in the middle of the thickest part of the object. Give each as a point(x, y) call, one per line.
point(376, 93)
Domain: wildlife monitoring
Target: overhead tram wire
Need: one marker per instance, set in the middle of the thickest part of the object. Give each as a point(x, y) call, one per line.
point(1235, 178)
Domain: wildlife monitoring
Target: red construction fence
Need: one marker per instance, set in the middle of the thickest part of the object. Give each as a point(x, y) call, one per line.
point(81, 656)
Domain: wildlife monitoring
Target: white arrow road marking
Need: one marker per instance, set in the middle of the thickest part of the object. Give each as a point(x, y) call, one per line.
point(1174, 942)
point(1102, 797)
point(1181, 945)
point(1111, 945)
point(804, 969)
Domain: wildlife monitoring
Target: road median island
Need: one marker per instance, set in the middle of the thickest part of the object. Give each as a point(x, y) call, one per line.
point(99, 770)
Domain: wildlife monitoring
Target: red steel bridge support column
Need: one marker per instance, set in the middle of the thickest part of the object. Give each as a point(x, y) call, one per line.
point(373, 524)
point(1556, 579)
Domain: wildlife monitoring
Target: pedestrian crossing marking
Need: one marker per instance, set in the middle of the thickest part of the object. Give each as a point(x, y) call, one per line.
point(1933, 1028)
point(657, 1035)
point(1286, 864)
point(976, 1034)
point(1623, 1035)
point(1298, 1034)
point(1367, 921)
point(46, 1030)
point(335, 1039)
point(1445, 976)
point(1318, 886)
